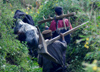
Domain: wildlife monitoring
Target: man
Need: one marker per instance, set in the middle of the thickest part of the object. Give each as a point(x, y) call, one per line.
point(59, 25)
point(58, 50)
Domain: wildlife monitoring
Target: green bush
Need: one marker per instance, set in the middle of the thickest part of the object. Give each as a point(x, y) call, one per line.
point(83, 49)
point(13, 54)
point(82, 46)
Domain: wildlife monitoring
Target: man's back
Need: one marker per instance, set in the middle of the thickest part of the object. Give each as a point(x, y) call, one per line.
point(60, 24)
point(61, 28)
point(57, 50)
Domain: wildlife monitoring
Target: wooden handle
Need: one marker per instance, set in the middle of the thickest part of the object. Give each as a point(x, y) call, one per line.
point(57, 17)
point(66, 33)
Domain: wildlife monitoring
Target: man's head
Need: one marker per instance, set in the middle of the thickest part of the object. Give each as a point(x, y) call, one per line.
point(47, 34)
point(58, 10)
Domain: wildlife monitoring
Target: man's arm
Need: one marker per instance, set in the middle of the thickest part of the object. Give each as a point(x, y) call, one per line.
point(40, 61)
point(64, 44)
point(62, 37)
point(67, 23)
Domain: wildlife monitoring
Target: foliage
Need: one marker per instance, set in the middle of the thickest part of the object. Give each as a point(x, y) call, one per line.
point(93, 67)
point(13, 54)
point(82, 47)
point(81, 53)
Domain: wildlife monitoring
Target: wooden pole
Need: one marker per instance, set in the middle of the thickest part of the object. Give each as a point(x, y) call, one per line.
point(64, 23)
point(66, 33)
point(57, 17)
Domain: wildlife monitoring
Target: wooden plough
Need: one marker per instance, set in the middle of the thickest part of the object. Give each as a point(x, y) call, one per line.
point(44, 43)
point(57, 17)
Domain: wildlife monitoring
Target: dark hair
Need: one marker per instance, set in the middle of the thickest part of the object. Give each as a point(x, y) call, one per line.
point(58, 10)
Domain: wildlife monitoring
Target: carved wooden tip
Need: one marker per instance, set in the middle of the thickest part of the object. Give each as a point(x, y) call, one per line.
point(74, 13)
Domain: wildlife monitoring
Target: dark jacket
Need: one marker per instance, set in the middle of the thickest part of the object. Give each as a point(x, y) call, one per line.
point(58, 51)
point(24, 17)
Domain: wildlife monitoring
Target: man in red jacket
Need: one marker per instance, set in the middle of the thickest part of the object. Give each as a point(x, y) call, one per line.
point(59, 11)
point(58, 25)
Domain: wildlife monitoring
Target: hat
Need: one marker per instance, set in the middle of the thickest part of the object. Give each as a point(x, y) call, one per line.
point(47, 33)
point(58, 10)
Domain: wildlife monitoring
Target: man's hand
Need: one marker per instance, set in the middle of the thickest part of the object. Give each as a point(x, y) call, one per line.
point(62, 36)
point(46, 27)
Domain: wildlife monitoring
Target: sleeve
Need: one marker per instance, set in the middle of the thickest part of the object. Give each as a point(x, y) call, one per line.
point(52, 27)
point(70, 26)
point(63, 41)
point(67, 23)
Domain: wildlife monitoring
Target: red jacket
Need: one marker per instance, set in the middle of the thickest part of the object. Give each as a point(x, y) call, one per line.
point(60, 24)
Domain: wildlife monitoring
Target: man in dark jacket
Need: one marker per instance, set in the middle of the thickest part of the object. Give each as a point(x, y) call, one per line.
point(58, 50)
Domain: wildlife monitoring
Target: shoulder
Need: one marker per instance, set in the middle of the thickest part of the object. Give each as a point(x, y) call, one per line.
point(52, 25)
point(53, 21)
point(63, 45)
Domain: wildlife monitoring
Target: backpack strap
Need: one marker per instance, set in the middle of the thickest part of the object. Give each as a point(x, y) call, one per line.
point(56, 20)
point(64, 24)
point(57, 30)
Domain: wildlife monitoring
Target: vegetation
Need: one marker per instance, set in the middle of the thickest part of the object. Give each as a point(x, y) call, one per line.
point(83, 53)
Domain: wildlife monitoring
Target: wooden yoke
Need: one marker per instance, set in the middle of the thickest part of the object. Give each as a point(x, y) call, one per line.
point(57, 17)
point(66, 33)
